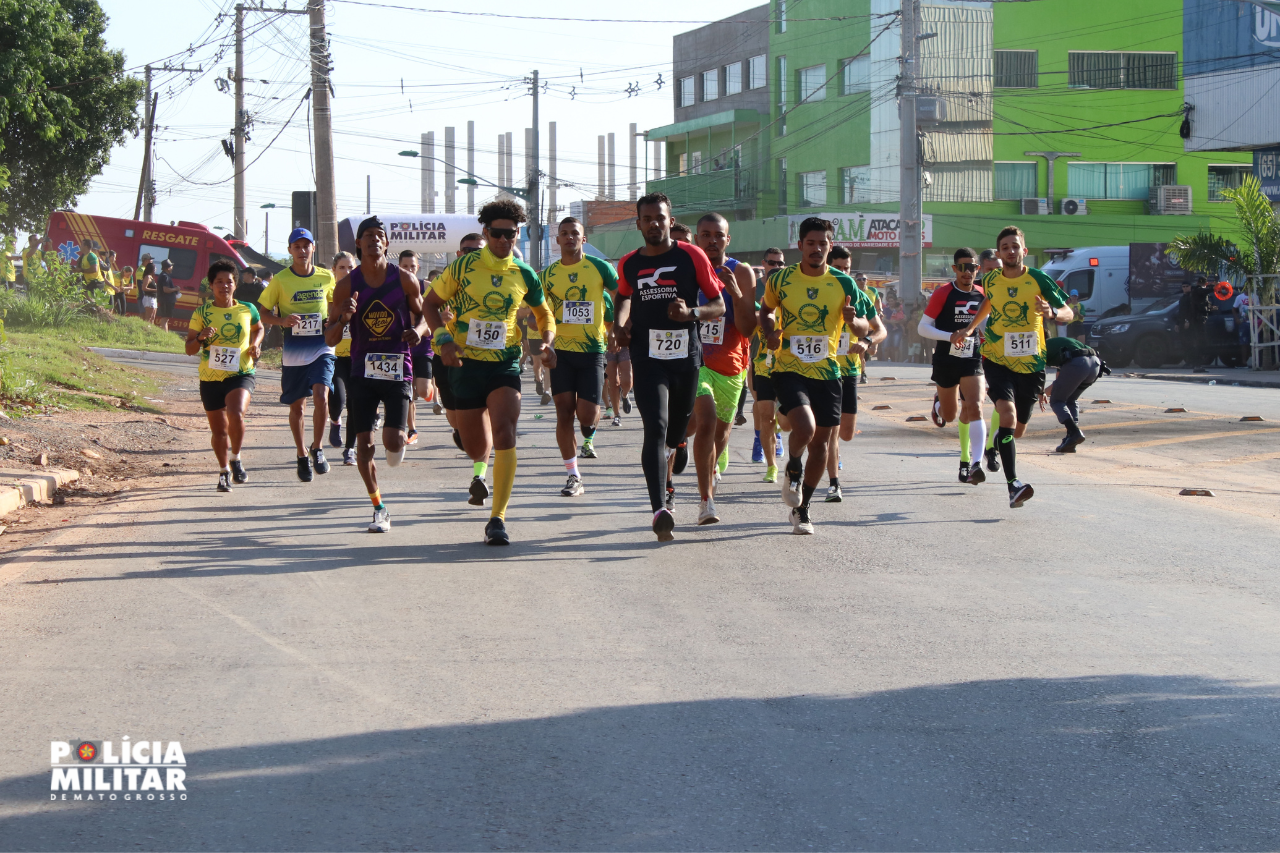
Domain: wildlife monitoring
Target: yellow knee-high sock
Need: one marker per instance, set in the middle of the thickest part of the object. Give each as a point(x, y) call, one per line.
point(504, 477)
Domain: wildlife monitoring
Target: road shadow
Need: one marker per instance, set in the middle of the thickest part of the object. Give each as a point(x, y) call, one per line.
point(1104, 763)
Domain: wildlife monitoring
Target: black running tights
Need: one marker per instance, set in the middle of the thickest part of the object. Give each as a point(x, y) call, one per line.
point(664, 396)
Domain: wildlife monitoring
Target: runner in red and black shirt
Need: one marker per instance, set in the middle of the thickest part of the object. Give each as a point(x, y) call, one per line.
point(957, 370)
point(657, 316)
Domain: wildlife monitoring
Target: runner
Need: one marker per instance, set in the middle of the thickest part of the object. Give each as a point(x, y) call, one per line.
point(1079, 366)
point(578, 287)
point(990, 262)
point(957, 370)
point(483, 347)
point(1019, 301)
point(681, 233)
point(301, 293)
point(228, 336)
point(617, 370)
point(421, 352)
point(343, 264)
point(379, 301)
point(726, 352)
point(817, 303)
point(656, 285)
point(850, 354)
point(444, 389)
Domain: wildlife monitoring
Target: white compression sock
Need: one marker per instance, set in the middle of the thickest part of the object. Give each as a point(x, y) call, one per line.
point(571, 465)
point(235, 457)
point(395, 457)
point(977, 439)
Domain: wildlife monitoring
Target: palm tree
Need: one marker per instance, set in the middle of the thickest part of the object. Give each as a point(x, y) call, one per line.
point(1260, 254)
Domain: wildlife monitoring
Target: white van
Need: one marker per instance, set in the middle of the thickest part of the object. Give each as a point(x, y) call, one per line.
point(1099, 273)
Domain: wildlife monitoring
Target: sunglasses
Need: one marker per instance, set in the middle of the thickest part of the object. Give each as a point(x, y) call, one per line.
point(775, 263)
point(502, 233)
point(968, 267)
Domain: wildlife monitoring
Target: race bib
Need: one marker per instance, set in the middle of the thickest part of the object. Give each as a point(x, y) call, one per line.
point(224, 358)
point(383, 365)
point(309, 324)
point(712, 332)
point(346, 332)
point(964, 350)
point(809, 348)
point(1021, 344)
point(845, 343)
point(487, 334)
point(578, 312)
point(668, 344)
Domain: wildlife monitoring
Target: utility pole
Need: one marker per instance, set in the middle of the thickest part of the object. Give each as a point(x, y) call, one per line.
point(326, 188)
point(146, 184)
point(910, 244)
point(237, 160)
point(535, 221)
point(471, 165)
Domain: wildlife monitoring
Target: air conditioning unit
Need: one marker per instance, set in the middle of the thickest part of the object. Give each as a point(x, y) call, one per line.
point(1170, 201)
point(1074, 207)
point(1035, 207)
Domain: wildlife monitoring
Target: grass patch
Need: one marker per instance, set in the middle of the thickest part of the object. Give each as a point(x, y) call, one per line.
point(52, 368)
point(120, 333)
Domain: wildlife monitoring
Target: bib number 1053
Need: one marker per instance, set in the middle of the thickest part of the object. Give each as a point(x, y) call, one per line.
point(668, 344)
point(1021, 344)
point(578, 312)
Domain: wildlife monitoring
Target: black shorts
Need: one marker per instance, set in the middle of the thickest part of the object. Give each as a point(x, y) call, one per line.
point(821, 395)
point(949, 370)
point(442, 373)
point(213, 395)
point(763, 389)
point(165, 307)
point(849, 395)
point(580, 373)
point(1023, 389)
point(476, 380)
point(363, 397)
point(421, 367)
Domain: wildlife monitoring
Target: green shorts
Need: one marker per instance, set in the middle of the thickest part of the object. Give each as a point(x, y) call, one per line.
point(725, 390)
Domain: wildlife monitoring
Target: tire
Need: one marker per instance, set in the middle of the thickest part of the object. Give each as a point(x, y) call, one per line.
point(1151, 352)
point(1232, 360)
point(1117, 358)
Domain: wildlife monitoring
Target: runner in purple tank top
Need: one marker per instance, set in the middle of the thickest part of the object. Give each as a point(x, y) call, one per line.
point(383, 305)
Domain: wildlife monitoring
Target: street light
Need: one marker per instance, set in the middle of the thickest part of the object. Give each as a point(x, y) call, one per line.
point(266, 228)
point(475, 180)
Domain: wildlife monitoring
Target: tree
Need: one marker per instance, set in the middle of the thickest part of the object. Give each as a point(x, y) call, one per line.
point(64, 103)
point(1209, 253)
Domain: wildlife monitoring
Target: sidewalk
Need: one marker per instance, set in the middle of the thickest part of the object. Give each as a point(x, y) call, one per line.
point(1221, 375)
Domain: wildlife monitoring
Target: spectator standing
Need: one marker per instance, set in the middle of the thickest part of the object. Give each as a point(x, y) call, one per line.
point(1240, 311)
point(147, 291)
point(1194, 308)
point(30, 257)
point(166, 294)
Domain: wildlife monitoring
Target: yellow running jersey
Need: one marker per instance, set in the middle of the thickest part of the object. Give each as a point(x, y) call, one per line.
point(230, 346)
point(1014, 333)
point(581, 301)
point(485, 292)
point(810, 314)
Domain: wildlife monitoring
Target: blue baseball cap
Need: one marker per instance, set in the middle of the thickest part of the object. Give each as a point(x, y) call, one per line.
point(300, 234)
point(1075, 293)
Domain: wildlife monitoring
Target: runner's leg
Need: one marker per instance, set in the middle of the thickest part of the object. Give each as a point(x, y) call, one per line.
point(218, 438)
point(237, 406)
point(503, 407)
point(703, 423)
point(295, 425)
point(319, 417)
point(653, 398)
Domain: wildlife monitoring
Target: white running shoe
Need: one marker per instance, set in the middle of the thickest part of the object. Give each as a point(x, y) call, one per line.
point(572, 487)
point(791, 489)
point(707, 512)
point(381, 521)
point(800, 523)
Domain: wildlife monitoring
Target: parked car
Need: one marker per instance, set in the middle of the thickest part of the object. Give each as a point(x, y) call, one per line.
point(1154, 338)
point(1100, 274)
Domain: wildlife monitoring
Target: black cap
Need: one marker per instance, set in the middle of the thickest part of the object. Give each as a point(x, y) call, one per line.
point(371, 222)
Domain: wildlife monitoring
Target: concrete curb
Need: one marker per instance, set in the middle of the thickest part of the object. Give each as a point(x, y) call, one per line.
point(1205, 379)
point(19, 488)
point(146, 355)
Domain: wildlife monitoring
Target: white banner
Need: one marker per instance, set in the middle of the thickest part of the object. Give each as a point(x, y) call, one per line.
point(862, 230)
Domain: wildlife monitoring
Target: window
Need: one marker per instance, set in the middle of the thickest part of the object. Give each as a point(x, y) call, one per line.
point(686, 91)
point(184, 260)
point(855, 184)
point(1226, 178)
point(782, 16)
point(813, 189)
point(1015, 180)
point(1081, 281)
point(695, 163)
point(733, 78)
point(782, 82)
point(682, 166)
point(857, 76)
point(1017, 69)
point(710, 85)
point(1118, 180)
point(756, 68)
point(1116, 70)
point(782, 185)
point(813, 83)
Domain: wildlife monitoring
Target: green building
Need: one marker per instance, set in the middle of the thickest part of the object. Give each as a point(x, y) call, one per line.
point(796, 114)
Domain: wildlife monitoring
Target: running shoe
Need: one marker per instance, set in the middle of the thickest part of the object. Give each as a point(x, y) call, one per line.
point(617, 421)
point(495, 532)
point(478, 491)
point(682, 458)
point(670, 503)
point(546, 399)
point(993, 459)
point(834, 495)
point(771, 474)
point(791, 488)
point(777, 454)
point(457, 440)
point(757, 452)
point(381, 520)
point(800, 523)
point(588, 450)
point(626, 404)
point(964, 472)
point(412, 437)
point(224, 481)
point(976, 476)
point(436, 408)
point(572, 487)
point(238, 474)
point(378, 421)
point(349, 456)
point(317, 458)
point(335, 433)
point(740, 419)
point(707, 513)
point(1019, 493)
point(304, 469)
point(862, 380)
point(663, 524)
point(539, 388)
point(936, 412)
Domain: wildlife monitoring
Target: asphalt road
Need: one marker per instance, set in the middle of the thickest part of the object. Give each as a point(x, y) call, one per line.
point(931, 671)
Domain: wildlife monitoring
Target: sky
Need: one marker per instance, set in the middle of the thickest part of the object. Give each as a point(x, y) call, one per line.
point(399, 72)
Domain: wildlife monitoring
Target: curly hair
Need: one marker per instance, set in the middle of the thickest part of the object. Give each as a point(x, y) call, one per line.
point(504, 209)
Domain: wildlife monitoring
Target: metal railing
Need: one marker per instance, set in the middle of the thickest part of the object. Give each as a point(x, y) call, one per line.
point(1264, 324)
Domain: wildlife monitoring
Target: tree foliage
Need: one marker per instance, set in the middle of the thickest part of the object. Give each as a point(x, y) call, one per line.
point(1209, 253)
point(64, 103)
